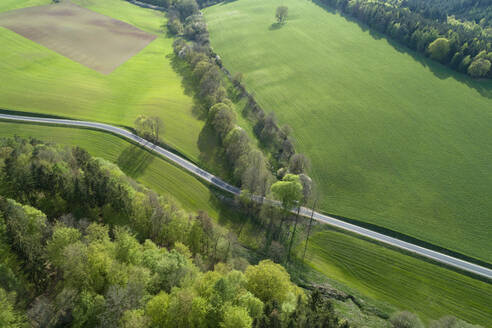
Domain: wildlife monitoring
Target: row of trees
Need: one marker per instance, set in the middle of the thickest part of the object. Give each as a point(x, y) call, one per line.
point(248, 165)
point(157, 267)
point(463, 48)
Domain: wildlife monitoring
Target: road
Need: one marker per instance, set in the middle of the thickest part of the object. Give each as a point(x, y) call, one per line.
point(422, 251)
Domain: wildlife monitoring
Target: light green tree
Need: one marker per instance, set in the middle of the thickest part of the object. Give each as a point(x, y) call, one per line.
point(236, 317)
point(439, 49)
point(288, 191)
point(479, 67)
point(133, 319)
point(9, 318)
point(156, 309)
point(62, 236)
point(405, 319)
point(268, 281)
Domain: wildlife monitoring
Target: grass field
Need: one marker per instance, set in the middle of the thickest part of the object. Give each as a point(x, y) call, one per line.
point(43, 81)
point(400, 280)
point(394, 139)
point(148, 169)
point(94, 40)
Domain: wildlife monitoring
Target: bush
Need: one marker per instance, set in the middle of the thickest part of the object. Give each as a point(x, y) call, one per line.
point(405, 319)
point(479, 67)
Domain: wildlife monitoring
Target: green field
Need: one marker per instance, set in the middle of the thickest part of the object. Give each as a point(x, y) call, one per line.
point(400, 280)
point(43, 81)
point(394, 139)
point(146, 168)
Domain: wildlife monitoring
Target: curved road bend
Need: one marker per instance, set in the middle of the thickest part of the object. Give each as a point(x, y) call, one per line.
point(422, 251)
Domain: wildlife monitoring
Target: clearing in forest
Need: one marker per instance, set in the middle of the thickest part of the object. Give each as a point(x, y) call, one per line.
point(89, 38)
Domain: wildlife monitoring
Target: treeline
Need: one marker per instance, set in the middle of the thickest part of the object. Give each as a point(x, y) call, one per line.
point(167, 4)
point(419, 25)
point(155, 266)
point(478, 12)
point(249, 166)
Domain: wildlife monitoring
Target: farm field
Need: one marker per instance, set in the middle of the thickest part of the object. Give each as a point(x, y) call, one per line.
point(144, 167)
point(394, 139)
point(39, 80)
point(101, 43)
point(405, 282)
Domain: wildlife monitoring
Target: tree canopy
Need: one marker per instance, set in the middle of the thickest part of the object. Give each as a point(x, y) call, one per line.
point(288, 191)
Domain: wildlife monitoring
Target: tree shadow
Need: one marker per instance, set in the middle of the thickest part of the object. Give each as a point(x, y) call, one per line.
point(225, 2)
point(188, 85)
point(134, 161)
point(212, 156)
point(482, 86)
point(275, 26)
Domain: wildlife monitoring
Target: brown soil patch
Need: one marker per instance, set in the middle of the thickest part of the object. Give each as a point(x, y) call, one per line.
point(89, 38)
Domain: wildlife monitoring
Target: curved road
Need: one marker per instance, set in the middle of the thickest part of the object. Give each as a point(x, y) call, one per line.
point(436, 256)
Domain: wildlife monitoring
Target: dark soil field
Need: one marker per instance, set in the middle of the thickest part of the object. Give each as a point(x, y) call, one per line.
point(89, 38)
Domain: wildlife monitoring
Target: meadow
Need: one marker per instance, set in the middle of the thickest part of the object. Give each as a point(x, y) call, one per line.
point(39, 80)
point(400, 280)
point(146, 168)
point(394, 139)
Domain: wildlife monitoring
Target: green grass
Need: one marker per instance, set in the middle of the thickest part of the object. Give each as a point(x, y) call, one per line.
point(405, 282)
point(148, 169)
point(42, 81)
point(394, 139)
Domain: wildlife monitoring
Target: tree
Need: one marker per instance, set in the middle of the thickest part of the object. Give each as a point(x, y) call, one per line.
point(236, 317)
point(281, 14)
point(237, 79)
point(405, 319)
point(269, 281)
point(9, 318)
point(175, 26)
point(28, 227)
point(236, 144)
point(479, 67)
point(439, 49)
point(187, 8)
point(298, 164)
point(288, 191)
point(156, 310)
point(256, 177)
point(222, 118)
point(149, 127)
point(61, 237)
point(133, 319)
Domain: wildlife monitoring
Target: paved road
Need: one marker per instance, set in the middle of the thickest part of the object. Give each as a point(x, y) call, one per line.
point(436, 256)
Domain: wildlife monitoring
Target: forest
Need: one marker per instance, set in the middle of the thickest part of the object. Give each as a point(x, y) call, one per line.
point(83, 245)
point(425, 26)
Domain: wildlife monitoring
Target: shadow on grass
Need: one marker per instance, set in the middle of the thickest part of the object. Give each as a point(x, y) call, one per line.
point(188, 85)
point(275, 26)
point(212, 157)
point(134, 160)
point(482, 86)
